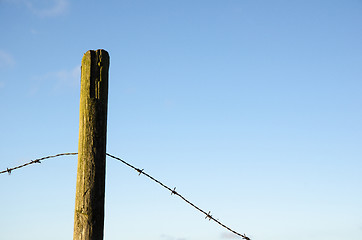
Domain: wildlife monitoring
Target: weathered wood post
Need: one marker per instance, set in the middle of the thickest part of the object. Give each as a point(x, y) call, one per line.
point(90, 188)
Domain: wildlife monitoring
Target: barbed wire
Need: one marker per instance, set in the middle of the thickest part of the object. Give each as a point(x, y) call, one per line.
point(140, 171)
point(173, 192)
point(9, 170)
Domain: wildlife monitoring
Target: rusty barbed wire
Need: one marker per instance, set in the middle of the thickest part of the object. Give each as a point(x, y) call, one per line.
point(9, 170)
point(173, 192)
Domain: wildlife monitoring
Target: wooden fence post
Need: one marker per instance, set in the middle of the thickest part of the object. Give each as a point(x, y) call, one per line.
point(90, 188)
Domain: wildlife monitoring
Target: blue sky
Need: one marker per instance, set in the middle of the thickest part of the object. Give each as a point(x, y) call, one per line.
point(252, 109)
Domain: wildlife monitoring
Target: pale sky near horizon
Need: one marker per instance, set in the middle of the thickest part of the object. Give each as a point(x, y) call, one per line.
point(251, 109)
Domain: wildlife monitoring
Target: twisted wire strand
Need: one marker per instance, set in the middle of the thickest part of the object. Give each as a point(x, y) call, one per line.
point(173, 192)
point(38, 160)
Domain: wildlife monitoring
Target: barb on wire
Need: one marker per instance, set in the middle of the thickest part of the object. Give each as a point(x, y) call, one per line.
point(9, 170)
point(173, 192)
